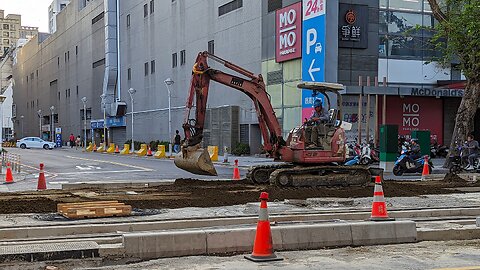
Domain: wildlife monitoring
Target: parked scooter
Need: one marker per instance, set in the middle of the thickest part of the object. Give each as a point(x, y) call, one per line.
point(457, 165)
point(405, 164)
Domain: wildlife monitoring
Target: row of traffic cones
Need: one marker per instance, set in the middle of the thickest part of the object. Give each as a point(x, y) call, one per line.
point(263, 245)
point(41, 184)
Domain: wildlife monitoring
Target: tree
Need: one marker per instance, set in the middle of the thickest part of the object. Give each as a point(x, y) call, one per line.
point(458, 38)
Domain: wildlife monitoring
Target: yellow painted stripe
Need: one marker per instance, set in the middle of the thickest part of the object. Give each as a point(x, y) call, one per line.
point(112, 162)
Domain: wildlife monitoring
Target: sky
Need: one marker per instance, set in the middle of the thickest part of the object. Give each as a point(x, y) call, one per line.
point(34, 12)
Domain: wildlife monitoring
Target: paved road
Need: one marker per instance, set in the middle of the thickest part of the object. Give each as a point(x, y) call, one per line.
point(68, 165)
point(448, 255)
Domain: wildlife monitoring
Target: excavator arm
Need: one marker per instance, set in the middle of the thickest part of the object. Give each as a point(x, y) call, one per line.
point(193, 158)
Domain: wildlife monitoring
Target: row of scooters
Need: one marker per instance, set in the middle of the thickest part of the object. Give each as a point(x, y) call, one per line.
point(365, 154)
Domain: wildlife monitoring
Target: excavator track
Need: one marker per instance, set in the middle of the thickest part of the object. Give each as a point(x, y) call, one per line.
point(289, 175)
point(261, 174)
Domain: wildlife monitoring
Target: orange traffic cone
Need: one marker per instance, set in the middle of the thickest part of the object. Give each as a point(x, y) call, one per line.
point(149, 152)
point(117, 151)
point(94, 147)
point(8, 175)
point(236, 171)
point(263, 247)
point(426, 169)
point(42, 184)
point(379, 207)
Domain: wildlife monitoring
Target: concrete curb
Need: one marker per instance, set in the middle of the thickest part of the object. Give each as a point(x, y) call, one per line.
point(292, 237)
point(80, 229)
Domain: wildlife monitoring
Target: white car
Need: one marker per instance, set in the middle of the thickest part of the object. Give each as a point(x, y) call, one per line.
point(34, 142)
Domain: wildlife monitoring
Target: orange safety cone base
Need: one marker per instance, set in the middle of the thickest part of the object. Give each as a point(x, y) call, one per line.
point(269, 258)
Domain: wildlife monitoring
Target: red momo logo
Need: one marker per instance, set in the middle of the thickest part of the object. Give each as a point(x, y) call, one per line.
point(350, 17)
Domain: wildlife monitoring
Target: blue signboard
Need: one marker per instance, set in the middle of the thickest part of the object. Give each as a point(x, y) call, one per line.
point(94, 124)
point(313, 49)
point(116, 121)
point(58, 139)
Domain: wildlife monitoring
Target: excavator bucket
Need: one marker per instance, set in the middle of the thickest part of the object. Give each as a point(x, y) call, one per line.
point(195, 160)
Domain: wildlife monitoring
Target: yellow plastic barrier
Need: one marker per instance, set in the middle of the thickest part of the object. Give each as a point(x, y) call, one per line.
point(143, 150)
point(125, 150)
point(89, 147)
point(111, 148)
point(101, 148)
point(161, 153)
point(213, 151)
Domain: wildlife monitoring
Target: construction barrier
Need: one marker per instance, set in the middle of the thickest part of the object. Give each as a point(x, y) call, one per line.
point(143, 150)
point(90, 147)
point(111, 148)
point(125, 150)
point(161, 153)
point(101, 148)
point(13, 159)
point(9, 144)
point(213, 152)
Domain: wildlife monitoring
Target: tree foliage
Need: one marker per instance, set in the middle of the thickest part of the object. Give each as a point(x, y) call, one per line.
point(458, 34)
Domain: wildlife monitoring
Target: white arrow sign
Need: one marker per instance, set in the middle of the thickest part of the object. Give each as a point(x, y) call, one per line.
point(312, 69)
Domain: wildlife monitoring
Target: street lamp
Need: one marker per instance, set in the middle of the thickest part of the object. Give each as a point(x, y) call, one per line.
point(2, 99)
point(104, 97)
point(168, 82)
point(40, 115)
point(84, 101)
point(52, 132)
point(132, 91)
point(22, 119)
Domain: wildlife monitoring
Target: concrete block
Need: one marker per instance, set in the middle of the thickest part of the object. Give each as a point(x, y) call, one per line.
point(314, 236)
point(230, 240)
point(165, 244)
point(388, 232)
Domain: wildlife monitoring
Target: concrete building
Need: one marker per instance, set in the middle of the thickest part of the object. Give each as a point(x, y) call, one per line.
point(55, 7)
point(9, 30)
point(160, 40)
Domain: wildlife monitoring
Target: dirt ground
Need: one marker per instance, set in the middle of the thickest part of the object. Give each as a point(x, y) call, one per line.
point(197, 193)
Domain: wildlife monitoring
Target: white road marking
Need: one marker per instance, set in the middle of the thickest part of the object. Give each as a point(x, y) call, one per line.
point(58, 182)
point(97, 172)
point(87, 168)
point(114, 163)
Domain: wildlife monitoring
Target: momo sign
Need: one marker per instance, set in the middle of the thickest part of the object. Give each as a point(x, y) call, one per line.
point(288, 37)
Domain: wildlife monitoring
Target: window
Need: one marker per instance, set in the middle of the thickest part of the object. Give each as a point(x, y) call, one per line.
point(230, 6)
point(97, 18)
point(58, 95)
point(211, 46)
point(76, 50)
point(129, 74)
point(174, 60)
point(152, 6)
point(406, 5)
point(89, 114)
point(146, 68)
point(5, 26)
point(152, 66)
point(77, 90)
point(274, 5)
point(145, 10)
point(100, 62)
point(182, 57)
point(128, 20)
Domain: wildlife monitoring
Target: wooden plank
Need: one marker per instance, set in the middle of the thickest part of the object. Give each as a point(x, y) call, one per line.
point(61, 206)
point(98, 211)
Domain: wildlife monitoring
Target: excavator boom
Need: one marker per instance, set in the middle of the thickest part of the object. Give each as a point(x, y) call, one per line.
point(195, 159)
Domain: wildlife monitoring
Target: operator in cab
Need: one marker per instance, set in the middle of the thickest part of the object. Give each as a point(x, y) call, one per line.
point(317, 124)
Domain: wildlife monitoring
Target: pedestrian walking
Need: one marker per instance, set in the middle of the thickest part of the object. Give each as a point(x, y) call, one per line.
point(71, 139)
point(78, 141)
point(176, 142)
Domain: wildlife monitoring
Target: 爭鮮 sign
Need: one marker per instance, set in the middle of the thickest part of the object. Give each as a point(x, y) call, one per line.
point(313, 49)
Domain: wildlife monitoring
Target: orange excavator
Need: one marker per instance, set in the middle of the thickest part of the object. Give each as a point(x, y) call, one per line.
point(302, 166)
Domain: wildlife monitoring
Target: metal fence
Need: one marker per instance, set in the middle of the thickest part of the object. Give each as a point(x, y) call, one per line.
point(13, 160)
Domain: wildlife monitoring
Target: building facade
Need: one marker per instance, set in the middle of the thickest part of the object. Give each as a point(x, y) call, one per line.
point(55, 7)
point(159, 41)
